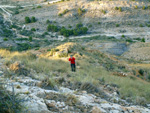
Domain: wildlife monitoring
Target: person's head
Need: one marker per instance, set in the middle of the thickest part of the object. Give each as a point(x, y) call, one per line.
point(71, 56)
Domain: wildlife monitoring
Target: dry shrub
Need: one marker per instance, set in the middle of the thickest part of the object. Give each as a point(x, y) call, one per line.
point(18, 68)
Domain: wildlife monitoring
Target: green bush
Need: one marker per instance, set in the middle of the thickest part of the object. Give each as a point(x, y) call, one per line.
point(141, 71)
point(103, 11)
point(118, 8)
point(33, 29)
point(60, 14)
point(79, 30)
point(65, 11)
point(9, 102)
point(45, 33)
point(47, 21)
point(7, 32)
point(52, 27)
point(27, 20)
point(136, 7)
point(26, 32)
point(144, 7)
point(69, 26)
point(90, 26)
point(16, 12)
point(141, 25)
point(148, 25)
point(33, 19)
point(30, 38)
point(117, 25)
point(23, 46)
point(123, 36)
point(5, 39)
point(143, 40)
point(80, 11)
point(15, 26)
point(39, 6)
point(129, 40)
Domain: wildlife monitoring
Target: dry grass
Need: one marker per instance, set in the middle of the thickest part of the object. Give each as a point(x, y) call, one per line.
point(147, 66)
point(89, 70)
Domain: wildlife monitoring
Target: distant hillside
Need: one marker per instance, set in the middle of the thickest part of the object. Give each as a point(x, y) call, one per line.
point(113, 18)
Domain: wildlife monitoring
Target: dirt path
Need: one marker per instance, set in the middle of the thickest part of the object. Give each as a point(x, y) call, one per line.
point(7, 15)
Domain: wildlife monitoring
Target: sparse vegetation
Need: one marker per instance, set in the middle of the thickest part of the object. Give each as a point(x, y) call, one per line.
point(81, 11)
point(52, 28)
point(33, 19)
point(5, 39)
point(64, 12)
point(44, 65)
point(141, 25)
point(123, 36)
point(117, 25)
point(90, 26)
point(9, 102)
point(103, 11)
point(43, 55)
point(118, 8)
point(144, 7)
point(30, 38)
point(79, 30)
point(28, 20)
point(33, 29)
point(39, 6)
point(136, 7)
point(143, 40)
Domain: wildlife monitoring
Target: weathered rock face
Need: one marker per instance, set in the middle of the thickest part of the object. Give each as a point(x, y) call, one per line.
point(39, 100)
point(64, 50)
point(62, 53)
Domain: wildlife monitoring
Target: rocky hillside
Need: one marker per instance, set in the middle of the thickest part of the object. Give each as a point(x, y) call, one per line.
point(108, 38)
point(101, 84)
point(39, 100)
point(112, 18)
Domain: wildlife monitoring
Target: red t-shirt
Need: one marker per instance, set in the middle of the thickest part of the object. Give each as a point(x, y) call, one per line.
point(72, 60)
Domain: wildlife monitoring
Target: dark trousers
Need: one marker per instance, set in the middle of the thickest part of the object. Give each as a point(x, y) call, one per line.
point(73, 67)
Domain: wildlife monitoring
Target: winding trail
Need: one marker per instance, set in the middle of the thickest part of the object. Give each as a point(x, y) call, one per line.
point(7, 13)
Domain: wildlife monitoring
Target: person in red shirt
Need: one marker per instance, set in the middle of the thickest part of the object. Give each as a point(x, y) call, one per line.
point(72, 63)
